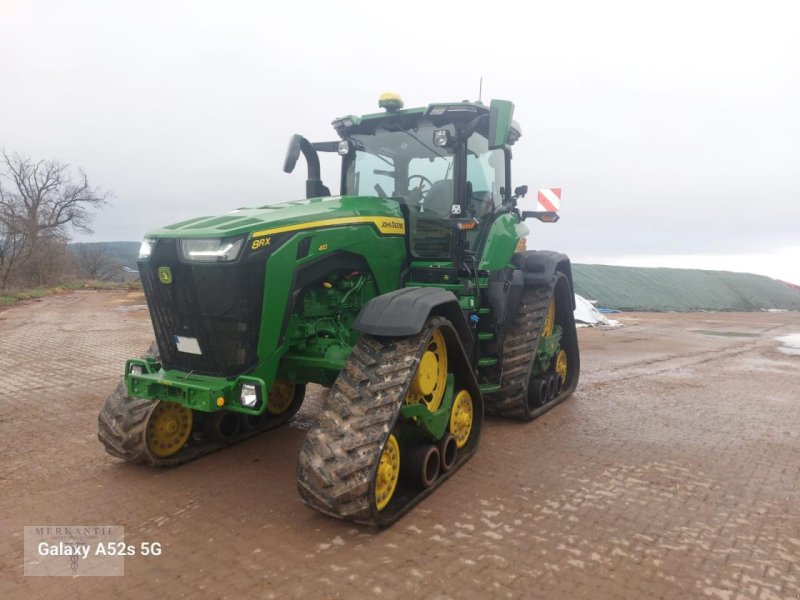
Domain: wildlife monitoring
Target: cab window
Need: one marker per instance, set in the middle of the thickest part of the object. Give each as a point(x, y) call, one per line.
point(486, 174)
point(404, 165)
point(372, 175)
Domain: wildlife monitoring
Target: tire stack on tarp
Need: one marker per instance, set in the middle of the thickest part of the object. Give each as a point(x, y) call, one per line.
point(586, 315)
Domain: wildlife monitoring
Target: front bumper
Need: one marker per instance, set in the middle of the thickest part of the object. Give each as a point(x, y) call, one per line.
point(198, 392)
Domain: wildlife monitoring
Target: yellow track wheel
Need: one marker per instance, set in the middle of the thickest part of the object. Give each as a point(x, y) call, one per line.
point(280, 396)
point(550, 319)
point(168, 429)
point(388, 473)
point(431, 376)
point(561, 365)
point(461, 418)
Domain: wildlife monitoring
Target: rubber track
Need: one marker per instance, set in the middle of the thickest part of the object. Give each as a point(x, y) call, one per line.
point(123, 421)
point(518, 353)
point(339, 458)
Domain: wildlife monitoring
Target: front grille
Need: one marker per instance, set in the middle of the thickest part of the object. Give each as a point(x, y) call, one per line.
point(217, 304)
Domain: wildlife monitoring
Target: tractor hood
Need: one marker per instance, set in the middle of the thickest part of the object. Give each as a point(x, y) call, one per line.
point(291, 216)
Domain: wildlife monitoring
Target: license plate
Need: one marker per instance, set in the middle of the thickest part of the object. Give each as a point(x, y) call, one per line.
point(188, 345)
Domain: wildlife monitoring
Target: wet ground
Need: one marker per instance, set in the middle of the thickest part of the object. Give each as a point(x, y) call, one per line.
point(673, 472)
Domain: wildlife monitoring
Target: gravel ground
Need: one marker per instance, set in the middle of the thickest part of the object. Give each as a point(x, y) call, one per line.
point(672, 472)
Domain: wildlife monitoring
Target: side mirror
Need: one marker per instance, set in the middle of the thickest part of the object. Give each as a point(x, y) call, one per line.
point(500, 114)
point(521, 190)
point(292, 153)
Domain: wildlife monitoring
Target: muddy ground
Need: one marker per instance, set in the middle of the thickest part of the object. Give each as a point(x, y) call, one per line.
point(673, 472)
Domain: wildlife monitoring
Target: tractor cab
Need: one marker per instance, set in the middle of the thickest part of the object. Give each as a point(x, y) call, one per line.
point(447, 165)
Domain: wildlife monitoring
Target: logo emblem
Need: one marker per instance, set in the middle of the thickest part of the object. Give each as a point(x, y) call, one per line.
point(261, 243)
point(165, 275)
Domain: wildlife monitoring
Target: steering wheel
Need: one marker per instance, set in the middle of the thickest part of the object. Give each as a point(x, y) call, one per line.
point(421, 188)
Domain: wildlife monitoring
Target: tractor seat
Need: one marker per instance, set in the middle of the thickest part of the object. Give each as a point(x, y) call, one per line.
point(439, 198)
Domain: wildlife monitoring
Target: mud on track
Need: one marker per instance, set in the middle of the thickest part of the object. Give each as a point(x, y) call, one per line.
point(673, 472)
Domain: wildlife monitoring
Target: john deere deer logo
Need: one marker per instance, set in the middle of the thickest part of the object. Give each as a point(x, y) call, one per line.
point(165, 275)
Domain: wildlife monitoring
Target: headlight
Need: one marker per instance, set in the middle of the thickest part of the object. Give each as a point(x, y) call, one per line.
point(249, 397)
point(212, 249)
point(146, 248)
point(137, 370)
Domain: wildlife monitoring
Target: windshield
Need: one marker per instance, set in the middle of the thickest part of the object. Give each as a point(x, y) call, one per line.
point(405, 165)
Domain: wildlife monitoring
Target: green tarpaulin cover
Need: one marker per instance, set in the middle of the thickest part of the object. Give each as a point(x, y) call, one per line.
point(639, 288)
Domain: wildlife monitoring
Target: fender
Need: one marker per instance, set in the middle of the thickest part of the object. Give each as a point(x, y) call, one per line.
point(540, 266)
point(405, 311)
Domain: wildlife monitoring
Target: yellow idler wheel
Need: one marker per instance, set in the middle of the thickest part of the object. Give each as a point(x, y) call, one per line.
point(168, 429)
point(280, 396)
point(431, 376)
point(561, 366)
point(461, 418)
point(550, 319)
point(388, 473)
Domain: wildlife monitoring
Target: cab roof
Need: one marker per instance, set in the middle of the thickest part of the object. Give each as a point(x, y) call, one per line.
point(438, 108)
point(440, 112)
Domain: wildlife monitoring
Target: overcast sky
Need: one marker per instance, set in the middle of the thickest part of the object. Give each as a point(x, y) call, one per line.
point(673, 129)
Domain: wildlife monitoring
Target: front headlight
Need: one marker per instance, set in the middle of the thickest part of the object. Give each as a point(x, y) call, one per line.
point(146, 248)
point(249, 395)
point(212, 249)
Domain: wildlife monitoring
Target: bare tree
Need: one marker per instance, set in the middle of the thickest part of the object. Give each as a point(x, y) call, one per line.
point(40, 203)
point(96, 262)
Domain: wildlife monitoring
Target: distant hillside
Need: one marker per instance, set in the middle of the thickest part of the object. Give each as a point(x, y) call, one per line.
point(660, 289)
point(123, 253)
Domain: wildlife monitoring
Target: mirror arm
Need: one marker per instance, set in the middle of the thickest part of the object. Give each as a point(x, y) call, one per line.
point(314, 185)
point(312, 159)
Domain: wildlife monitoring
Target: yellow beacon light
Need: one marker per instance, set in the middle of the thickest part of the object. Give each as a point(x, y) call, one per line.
point(390, 101)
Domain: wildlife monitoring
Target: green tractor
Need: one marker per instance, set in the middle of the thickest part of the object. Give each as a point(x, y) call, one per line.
point(404, 295)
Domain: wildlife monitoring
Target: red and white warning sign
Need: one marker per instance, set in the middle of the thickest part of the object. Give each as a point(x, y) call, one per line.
point(549, 200)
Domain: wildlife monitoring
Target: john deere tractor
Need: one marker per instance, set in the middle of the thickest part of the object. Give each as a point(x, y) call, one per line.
point(403, 294)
